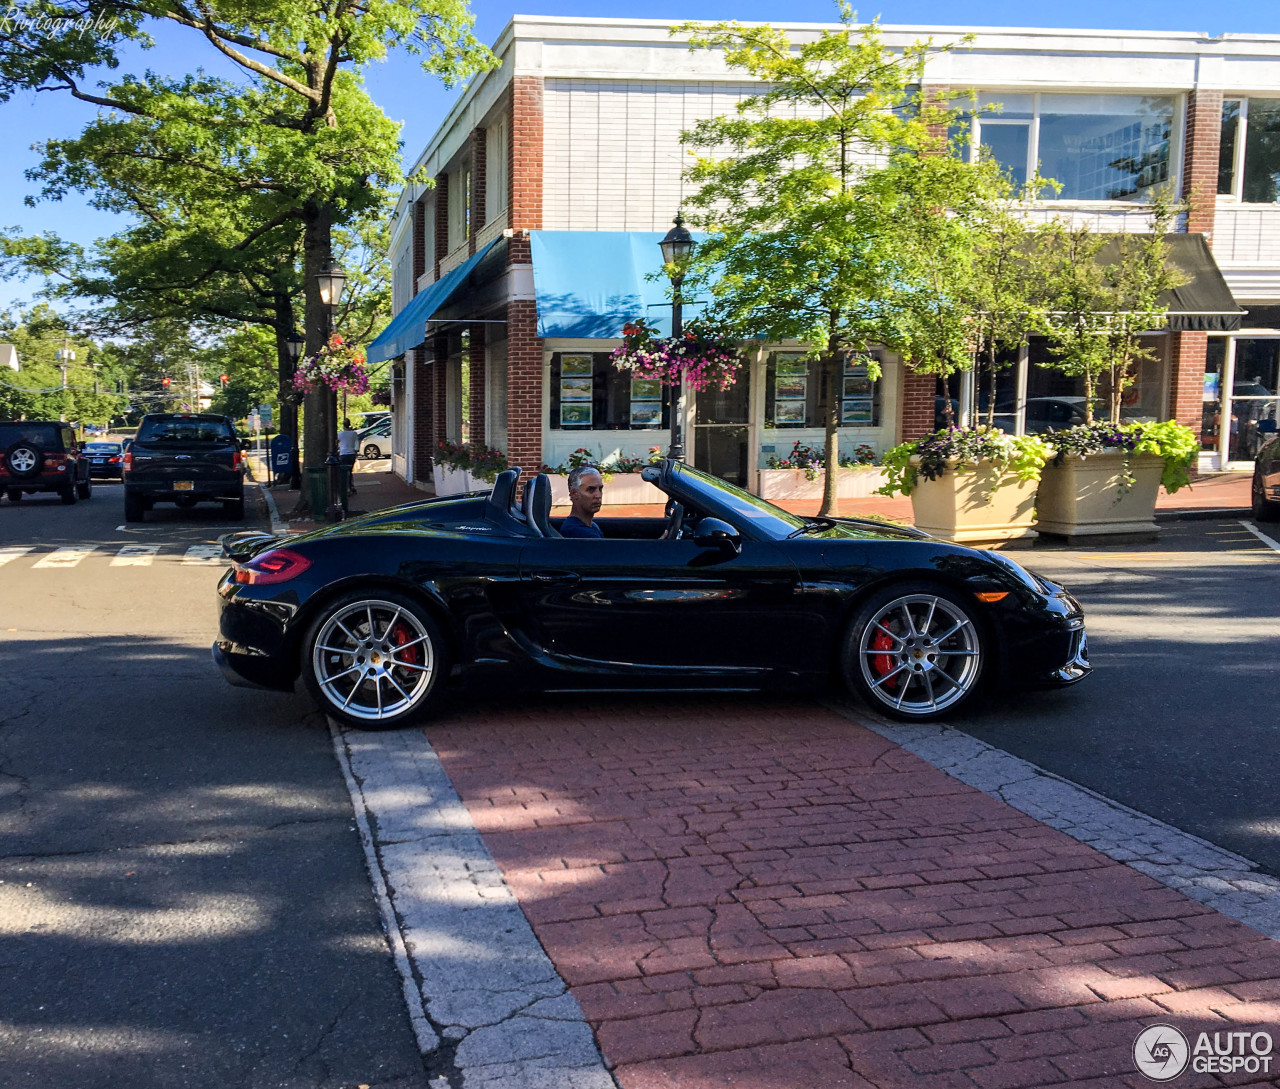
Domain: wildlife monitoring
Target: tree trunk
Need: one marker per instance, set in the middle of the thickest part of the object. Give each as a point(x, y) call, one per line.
point(319, 423)
point(285, 366)
point(831, 450)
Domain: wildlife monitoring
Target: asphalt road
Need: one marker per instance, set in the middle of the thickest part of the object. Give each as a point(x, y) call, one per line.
point(1179, 717)
point(184, 901)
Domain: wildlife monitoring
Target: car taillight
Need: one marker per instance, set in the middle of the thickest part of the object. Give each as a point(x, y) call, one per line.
point(128, 461)
point(235, 460)
point(115, 460)
point(278, 565)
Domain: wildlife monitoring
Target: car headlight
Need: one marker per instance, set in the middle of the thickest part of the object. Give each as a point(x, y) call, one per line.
point(1025, 577)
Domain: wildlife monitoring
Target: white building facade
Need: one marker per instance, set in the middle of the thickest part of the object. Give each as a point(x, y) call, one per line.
point(556, 174)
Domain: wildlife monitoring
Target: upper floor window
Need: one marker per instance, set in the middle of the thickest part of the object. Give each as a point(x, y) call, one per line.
point(1096, 147)
point(1249, 155)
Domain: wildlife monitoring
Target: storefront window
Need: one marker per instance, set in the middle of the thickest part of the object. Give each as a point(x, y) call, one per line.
point(1214, 364)
point(1096, 147)
point(1253, 396)
point(588, 393)
point(1255, 122)
point(796, 397)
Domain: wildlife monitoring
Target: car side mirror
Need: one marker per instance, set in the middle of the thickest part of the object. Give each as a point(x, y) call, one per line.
point(713, 533)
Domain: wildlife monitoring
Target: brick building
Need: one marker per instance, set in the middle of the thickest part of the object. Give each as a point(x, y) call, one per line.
point(556, 174)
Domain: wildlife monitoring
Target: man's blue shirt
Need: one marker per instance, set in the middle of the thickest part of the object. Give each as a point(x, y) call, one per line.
point(573, 526)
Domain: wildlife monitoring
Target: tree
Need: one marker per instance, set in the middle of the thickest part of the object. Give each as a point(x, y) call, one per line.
point(325, 148)
point(40, 388)
point(803, 193)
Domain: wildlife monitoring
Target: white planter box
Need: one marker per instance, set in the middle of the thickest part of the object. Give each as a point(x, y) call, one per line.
point(1081, 497)
point(857, 483)
point(975, 504)
point(456, 481)
point(620, 489)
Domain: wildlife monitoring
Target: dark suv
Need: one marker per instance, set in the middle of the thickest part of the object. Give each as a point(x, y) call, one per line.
point(184, 458)
point(42, 456)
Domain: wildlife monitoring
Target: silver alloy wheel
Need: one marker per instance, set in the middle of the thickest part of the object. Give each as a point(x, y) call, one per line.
point(373, 660)
point(23, 460)
point(920, 654)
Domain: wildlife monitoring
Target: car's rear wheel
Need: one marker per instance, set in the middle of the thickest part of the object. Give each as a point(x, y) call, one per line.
point(23, 460)
point(915, 651)
point(67, 494)
point(1264, 509)
point(135, 507)
point(14, 494)
point(374, 659)
point(372, 451)
point(85, 488)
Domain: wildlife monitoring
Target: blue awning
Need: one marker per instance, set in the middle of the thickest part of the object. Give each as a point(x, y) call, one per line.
point(590, 283)
point(408, 328)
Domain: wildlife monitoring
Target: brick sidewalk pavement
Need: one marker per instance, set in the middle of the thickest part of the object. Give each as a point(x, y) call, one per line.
point(758, 893)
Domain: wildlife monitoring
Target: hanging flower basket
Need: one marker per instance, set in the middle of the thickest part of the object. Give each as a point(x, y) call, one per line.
point(706, 359)
point(338, 365)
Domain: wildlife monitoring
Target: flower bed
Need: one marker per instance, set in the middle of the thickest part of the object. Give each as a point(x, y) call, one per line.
point(855, 483)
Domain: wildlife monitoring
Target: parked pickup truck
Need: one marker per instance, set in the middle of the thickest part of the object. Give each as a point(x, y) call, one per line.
point(184, 458)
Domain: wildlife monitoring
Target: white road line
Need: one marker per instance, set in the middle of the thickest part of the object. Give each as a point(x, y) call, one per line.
point(135, 555)
point(205, 554)
point(66, 557)
point(1271, 544)
point(12, 552)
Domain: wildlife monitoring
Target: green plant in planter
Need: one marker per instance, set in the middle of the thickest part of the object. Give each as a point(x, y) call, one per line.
point(1023, 455)
point(458, 456)
point(1175, 443)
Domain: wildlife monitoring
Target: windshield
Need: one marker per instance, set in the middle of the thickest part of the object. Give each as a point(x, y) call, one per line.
point(102, 447)
point(185, 429)
point(746, 509)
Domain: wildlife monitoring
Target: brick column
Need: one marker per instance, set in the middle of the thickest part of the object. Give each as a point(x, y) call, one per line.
point(423, 431)
point(524, 386)
point(1200, 160)
point(919, 397)
point(442, 221)
point(419, 243)
point(524, 159)
point(1187, 352)
point(477, 186)
point(440, 389)
point(476, 390)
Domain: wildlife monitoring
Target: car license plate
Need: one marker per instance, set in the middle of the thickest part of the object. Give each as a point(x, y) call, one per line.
point(98, 461)
point(183, 485)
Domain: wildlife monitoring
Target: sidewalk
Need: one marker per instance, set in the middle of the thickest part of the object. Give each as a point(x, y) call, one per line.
point(768, 894)
point(1215, 495)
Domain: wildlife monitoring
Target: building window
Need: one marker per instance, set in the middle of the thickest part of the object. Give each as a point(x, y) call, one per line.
point(588, 393)
point(1249, 154)
point(796, 397)
point(495, 165)
point(1096, 147)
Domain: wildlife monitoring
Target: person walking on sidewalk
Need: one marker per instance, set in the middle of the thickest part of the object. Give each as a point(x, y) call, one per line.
point(348, 446)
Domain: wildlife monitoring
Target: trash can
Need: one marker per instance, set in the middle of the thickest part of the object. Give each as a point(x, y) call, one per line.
point(316, 483)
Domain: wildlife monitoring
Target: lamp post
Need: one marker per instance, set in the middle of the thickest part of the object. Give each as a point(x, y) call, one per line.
point(676, 248)
point(293, 347)
point(331, 280)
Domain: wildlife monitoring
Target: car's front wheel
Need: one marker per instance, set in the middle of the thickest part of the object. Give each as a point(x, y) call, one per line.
point(915, 651)
point(372, 451)
point(1264, 509)
point(374, 659)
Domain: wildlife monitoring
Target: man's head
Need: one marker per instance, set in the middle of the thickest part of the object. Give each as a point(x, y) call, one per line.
point(346, 425)
point(586, 492)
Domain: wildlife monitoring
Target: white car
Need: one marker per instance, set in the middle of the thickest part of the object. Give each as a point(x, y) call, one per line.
point(375, 443)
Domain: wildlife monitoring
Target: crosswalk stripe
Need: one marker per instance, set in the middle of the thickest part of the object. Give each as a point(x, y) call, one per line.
point(65, 557)
point(135, 555)
point(204, 554)
point(12, 552)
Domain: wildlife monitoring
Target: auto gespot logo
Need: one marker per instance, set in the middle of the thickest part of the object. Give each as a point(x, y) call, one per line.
point(1161, 1052)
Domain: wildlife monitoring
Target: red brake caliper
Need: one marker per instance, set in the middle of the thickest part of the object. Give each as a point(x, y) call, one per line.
point(400, 635)
point(882, 663)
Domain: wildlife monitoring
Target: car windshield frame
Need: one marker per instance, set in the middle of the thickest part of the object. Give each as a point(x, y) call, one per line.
point(749, 513)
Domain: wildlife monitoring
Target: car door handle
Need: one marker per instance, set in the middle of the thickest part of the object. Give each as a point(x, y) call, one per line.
point(555, 578)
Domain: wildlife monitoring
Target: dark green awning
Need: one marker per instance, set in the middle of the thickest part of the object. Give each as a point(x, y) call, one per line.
point(1204, 302)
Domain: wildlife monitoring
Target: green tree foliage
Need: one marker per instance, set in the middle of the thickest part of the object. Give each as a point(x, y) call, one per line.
point(828, 195)
point(37, 390)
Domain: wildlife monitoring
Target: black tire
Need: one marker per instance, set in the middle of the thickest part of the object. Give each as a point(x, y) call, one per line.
point(135, 507)
point(1264, 509)
point(881, 648)
point(338, 644)
point(372, 451)
point(67, 494)
point(85, 488)
point(233, 509)
point(14, 494)
point(23, 460)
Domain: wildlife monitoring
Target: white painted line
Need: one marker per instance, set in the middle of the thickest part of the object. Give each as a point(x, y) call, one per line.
point(278, 524)
point(205, 554)
point(66, 557)
point(135, 555)
point(12, 552)
point(1218, 878)
point(509, 1020)
point(1271, 544)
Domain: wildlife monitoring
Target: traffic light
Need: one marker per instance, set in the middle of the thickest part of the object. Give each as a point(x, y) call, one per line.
point(223, 378)
point(165, 381)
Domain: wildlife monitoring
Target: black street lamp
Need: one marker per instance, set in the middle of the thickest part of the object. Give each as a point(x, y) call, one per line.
point(331, 280)
point(293, 345)
point(677, 247)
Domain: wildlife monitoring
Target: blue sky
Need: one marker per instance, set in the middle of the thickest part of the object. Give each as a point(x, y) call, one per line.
point(420, 102)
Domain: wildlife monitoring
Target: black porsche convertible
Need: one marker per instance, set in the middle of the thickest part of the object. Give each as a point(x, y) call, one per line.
point(726, 591)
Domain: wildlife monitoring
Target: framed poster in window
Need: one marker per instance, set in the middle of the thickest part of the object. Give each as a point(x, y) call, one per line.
point(855, 364)
point(791, 387)
point(646, 389)
point(575, 389)
point(788, 412)
point(575, 365)
point(575, 413)
point(646, 413)
point(857, 386)
point(856, 412)
point(793, 365)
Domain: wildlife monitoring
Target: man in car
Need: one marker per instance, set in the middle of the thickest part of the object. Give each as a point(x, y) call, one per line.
point(586, 493)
